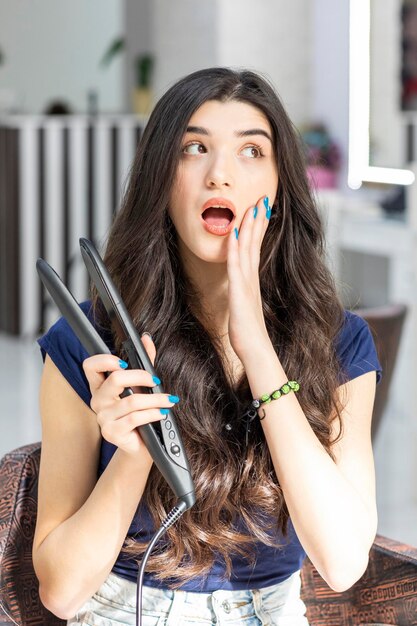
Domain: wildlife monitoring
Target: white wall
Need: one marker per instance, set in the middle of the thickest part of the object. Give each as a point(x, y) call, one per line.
point(53, 50)
point(330, 71)
point(139, 40)
point(185, 36)
point(386, 117)
point(272, 36)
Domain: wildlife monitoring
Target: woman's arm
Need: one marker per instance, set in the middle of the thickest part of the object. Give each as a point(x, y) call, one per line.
point(82, 523)
point(332, 504)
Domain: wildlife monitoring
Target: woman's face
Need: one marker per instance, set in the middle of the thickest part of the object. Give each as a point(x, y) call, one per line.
point(227, 159)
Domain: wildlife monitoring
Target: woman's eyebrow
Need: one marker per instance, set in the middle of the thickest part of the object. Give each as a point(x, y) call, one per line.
point(253, 131)
point(199, 130)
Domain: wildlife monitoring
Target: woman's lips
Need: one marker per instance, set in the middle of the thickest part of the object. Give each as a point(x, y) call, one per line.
point(219, 229)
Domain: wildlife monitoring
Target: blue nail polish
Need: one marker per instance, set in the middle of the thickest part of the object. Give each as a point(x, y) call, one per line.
point(173, 398)
point(266, 203)
point(123, 364)
point(156, 380)
point(268, 214)
point(236, 233)
point(255, 212)
point(164, 411)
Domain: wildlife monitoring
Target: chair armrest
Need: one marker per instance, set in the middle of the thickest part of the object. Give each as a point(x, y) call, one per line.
point(19, 598)
point(386, 593)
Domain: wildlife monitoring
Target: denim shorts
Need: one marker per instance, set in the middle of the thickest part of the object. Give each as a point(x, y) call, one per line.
point(114, 604)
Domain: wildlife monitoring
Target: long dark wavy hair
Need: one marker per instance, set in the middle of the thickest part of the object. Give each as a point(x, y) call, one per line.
point(303, 315)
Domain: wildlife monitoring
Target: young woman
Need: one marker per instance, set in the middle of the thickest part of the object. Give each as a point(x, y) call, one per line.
point(218, 253)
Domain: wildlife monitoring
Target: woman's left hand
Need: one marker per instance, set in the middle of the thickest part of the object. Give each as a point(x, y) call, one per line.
point(246, 319)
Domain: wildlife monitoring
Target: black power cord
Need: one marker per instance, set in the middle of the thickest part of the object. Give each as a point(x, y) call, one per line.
point(169, 521)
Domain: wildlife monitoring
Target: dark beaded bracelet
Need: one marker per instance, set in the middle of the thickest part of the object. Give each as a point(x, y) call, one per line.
point(290, 385)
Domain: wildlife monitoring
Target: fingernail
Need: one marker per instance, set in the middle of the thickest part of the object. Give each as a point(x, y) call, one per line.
point(255, 212)
point(266, 203)
point(123, 364)
point(236, 233)
point(156, 380)
point(268, 214)
point(164, 411)
point(149, 335)
point(173, 399)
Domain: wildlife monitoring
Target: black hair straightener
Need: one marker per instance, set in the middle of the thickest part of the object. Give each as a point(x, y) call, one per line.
point(162, 439)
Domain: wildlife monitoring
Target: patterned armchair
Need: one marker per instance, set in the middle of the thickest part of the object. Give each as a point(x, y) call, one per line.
point(19, 599)
point(386, 594)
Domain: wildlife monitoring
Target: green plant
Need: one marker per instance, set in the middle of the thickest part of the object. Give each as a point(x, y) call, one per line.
point(144, 68)
point(116, 46)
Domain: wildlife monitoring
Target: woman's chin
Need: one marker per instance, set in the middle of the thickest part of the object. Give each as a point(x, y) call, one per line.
point(211, 254)
point(214, 256)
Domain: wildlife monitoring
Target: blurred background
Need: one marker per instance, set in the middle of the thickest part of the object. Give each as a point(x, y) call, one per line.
point(77, 83)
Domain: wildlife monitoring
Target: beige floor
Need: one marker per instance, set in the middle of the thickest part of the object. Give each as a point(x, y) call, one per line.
point(395, 449)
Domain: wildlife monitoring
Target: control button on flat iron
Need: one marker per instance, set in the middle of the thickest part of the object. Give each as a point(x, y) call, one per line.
point(175, 449)
point(168, 425)
point(172, 434)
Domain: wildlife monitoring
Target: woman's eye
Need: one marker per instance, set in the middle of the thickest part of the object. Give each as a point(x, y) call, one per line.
point(193, 148)
point(252, 152)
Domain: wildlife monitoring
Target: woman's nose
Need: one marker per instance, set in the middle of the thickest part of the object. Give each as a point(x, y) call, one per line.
point(220, 173)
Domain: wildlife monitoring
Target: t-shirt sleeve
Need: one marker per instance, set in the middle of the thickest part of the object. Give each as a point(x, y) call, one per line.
point(66, 351)
point(356, 348)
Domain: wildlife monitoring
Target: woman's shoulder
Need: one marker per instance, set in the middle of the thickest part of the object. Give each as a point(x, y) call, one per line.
point(61, 335)
point(67, 352)
point(61, 328)
point(355, 347)
point(353, 325)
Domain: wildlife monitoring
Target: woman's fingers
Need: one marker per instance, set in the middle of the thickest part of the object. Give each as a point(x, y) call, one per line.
point(261, 221)
point(112, 429)
point(135, 402)
point(98, 367)
point(149, 346)
point(95, 368)
point(118, 380)
point(119, 417)
point(259, 227)
point(122, 432)
point(246, 253)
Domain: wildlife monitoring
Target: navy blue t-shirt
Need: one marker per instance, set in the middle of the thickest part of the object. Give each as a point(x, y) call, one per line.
point(357, 354)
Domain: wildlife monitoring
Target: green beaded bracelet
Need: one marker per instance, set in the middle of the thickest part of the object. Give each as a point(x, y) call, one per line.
point(290, 385)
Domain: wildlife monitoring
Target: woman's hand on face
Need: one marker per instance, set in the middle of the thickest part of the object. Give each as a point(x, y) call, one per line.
point(246, 318)
point(117, 417)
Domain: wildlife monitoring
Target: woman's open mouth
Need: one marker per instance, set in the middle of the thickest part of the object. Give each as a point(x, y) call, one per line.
point(218, 220)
